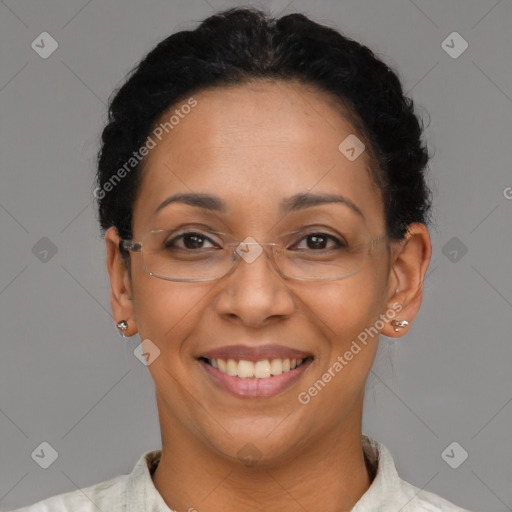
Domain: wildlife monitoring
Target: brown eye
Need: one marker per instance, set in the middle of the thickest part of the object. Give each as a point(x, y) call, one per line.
point(190, 240)
point(319, 241)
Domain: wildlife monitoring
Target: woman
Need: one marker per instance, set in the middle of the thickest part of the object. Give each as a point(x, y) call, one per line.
point(261, 185)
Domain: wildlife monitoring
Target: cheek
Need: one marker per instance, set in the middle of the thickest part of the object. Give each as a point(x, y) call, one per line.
point(346, 307)
point(166, 312)
point(346, 313)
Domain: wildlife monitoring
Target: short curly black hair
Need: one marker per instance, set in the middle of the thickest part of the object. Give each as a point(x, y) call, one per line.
point(240, 45)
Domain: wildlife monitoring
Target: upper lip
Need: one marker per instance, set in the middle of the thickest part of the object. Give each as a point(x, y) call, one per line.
point(255, 353)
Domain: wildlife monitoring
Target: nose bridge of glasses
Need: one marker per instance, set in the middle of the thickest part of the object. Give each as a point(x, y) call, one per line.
point(250, 250)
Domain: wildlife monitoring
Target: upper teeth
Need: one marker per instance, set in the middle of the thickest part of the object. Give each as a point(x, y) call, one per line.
point(260, 370)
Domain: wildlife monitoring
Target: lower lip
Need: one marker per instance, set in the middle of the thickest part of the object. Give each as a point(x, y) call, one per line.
point(252, 387)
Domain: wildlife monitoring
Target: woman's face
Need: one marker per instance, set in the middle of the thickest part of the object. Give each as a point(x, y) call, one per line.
point(253, 147)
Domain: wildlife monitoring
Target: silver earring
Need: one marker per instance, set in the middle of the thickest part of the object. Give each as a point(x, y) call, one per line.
point(400, 323)
point(122, 326)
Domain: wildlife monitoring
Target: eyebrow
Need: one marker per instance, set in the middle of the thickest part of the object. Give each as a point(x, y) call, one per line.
point(294, 203)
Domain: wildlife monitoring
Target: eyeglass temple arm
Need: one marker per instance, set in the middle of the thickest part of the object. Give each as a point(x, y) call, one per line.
point(130, 246)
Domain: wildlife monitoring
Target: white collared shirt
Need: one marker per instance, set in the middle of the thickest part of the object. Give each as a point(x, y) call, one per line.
point(136, 492)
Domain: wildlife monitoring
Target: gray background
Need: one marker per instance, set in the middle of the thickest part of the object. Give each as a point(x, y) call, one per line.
point(68, 379)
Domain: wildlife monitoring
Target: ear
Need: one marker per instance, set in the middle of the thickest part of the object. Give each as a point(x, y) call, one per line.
point(410, 261)
point(121, 300)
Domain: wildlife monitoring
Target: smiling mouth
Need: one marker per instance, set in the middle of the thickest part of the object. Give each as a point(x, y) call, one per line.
point(262, 369)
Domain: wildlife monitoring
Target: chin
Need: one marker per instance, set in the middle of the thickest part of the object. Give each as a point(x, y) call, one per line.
point(258, 443)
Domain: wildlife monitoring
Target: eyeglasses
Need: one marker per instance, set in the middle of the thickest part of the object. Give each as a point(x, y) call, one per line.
point(164, 258)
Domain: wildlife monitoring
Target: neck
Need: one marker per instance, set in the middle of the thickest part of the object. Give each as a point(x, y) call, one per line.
point(328, 475)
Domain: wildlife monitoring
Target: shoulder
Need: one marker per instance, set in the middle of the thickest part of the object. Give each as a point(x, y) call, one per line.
point(424, 501)
point(103, 496)
point(111, 495)
point(389, 492)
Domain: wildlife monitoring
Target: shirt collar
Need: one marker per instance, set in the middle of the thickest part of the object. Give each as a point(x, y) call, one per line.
point(386, 484)
point(141, 493)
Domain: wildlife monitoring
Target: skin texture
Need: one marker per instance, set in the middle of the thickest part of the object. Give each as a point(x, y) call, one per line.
point(254, 145)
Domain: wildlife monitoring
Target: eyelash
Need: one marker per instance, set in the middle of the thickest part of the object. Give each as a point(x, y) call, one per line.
point(339, 243)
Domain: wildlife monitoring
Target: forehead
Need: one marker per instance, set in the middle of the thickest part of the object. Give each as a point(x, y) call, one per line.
point(255, 145)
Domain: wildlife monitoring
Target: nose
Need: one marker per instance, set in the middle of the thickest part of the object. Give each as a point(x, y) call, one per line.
point(254, 290)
